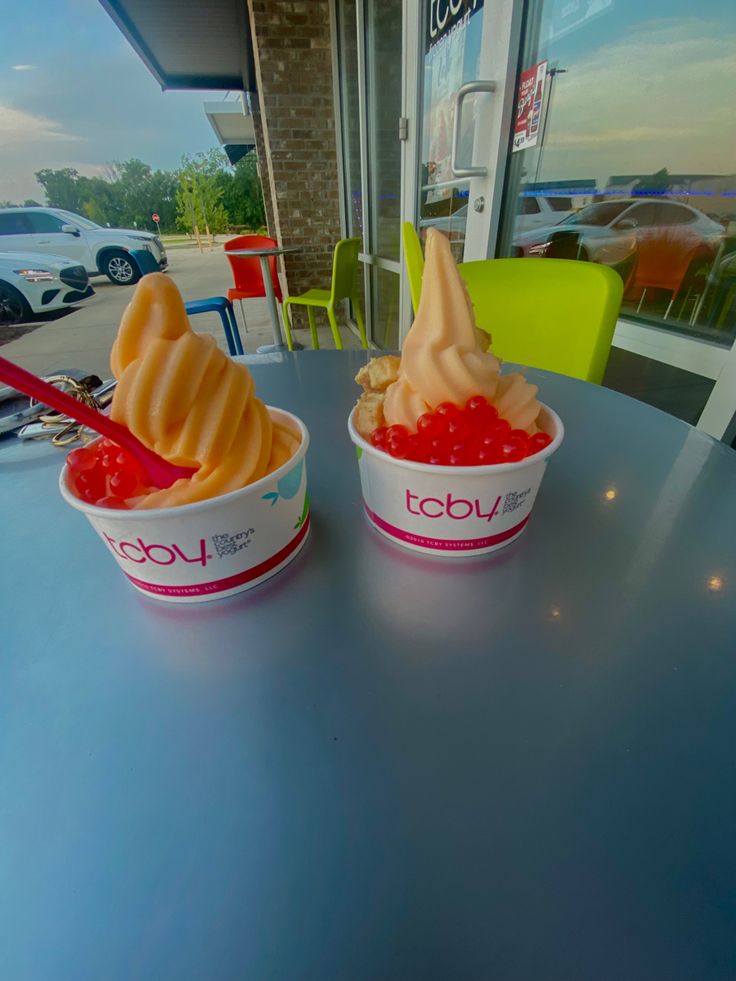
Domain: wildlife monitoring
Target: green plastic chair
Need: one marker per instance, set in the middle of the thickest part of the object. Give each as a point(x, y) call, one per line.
point(557, 314)
point(344, 267)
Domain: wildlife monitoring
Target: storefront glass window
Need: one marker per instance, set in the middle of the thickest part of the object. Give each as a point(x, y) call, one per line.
point(349, 116)
point(624, 152)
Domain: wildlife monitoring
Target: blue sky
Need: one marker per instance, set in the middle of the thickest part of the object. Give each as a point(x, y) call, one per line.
point(87, 100)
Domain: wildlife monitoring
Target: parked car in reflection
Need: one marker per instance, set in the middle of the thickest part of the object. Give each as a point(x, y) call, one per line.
point(32, 284)
point(654, 243)
point(532, 211)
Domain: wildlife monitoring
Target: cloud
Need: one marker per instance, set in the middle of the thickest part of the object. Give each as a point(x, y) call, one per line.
point(24, 68)
point(29, 141)
point(19, 128)
point(661, 95)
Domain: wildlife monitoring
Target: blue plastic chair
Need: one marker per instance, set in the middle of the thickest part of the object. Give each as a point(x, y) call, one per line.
point(224, 308)
point(211, 304)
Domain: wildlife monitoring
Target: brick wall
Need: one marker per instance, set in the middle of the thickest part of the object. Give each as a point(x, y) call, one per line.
point(293, 62)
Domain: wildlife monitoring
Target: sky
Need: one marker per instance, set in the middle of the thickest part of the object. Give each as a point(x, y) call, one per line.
point(73, 93)
point(649, 84)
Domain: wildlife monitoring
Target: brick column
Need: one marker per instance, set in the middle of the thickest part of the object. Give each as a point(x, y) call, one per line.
point(263, 170)
point(293, 64)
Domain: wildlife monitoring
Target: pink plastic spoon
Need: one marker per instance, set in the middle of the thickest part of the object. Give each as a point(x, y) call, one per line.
point(160, 472)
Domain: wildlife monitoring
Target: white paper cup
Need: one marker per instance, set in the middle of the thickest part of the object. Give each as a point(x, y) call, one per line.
point(213, 548)
point(452, 511)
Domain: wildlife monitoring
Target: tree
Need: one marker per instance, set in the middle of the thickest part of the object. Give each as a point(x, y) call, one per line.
point(242, 195)
point(658, 183)
point(61, 187)
point(200, 193)
point(206, 193)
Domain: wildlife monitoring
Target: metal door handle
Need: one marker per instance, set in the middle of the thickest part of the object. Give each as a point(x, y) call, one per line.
point(468, 89)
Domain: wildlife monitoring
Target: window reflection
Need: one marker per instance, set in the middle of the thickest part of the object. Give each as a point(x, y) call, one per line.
point(640, 141)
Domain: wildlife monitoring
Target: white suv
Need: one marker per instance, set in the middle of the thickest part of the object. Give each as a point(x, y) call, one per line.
point(111, 251)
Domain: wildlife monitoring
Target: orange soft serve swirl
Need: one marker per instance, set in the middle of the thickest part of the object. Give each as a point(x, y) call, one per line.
point(441, 360)
point(185, 399)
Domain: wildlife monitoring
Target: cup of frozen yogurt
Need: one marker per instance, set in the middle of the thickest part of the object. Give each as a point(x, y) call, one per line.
point(451, 451)
point(243, 514)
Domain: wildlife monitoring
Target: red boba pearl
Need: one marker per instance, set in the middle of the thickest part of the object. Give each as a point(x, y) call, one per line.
point(538, 442)
point(396, 432)
point(431, 425)
point(448, 411)
point(81, 459)
point(398, 447)
point(123, 483)
point(513, 450)
point(378, 437)
point(114, 503)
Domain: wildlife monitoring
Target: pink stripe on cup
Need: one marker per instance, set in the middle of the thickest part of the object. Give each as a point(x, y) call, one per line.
point(444, 544)
point(229, 582)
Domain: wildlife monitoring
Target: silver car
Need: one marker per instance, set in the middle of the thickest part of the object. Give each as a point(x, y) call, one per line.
point(618, 232)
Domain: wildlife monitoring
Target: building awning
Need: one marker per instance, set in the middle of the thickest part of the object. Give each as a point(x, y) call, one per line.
point(232, 124)
point(189, 45)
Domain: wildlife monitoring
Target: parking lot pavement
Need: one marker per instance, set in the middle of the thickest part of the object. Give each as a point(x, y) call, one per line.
point(82, 339)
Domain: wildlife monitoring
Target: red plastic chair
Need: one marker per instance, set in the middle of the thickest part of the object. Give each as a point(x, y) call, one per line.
point(666, 257)
point(246, 269)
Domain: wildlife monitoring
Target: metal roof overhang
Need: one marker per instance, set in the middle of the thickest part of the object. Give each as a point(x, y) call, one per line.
point(189, 46)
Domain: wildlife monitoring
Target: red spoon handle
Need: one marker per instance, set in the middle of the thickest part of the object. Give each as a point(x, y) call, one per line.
point(162, 472)
point(47, 394)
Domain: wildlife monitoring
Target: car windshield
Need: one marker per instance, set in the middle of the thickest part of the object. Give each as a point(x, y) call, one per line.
point(78, 220)
point(598, 214)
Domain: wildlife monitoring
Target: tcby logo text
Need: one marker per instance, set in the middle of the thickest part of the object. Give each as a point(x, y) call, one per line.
point(139, 551)
point(458, 508)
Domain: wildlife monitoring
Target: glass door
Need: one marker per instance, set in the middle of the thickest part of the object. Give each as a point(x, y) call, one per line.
point(466, 75)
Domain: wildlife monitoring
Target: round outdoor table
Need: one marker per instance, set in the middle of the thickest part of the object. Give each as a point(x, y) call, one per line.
point(379, 764)
point(263, 255)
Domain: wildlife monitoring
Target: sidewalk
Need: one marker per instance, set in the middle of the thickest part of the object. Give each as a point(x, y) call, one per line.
point(83, 338)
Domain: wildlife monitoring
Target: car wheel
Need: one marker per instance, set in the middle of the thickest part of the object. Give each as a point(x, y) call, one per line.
point(13, 306)
point(120, 268)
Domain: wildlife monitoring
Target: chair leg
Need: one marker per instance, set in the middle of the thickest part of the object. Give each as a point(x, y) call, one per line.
point(361, 323)
point(313, 328)
point(242, 314)
point(669, 305)
point(234, 328)
point(335, 328)
point(641, 299)
point(231, 349)
point(287, 324)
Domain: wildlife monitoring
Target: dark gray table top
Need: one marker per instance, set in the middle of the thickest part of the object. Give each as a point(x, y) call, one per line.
point(383, 765)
